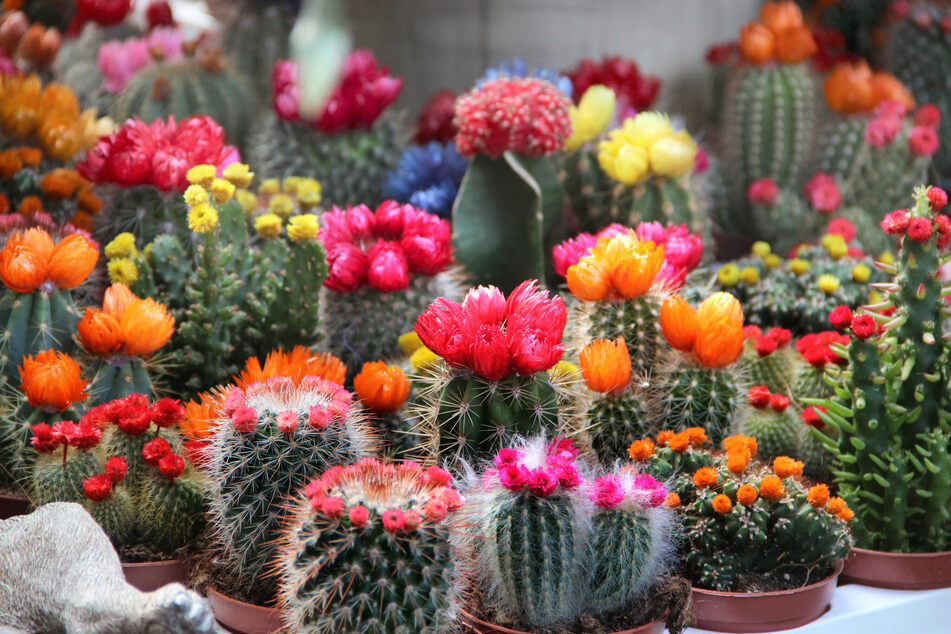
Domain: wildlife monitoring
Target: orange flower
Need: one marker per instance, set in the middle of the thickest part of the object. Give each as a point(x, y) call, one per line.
point(89, 202)
point(721, 308)
point(705, 477)
point(31, 156)
point(620, 264)
point(746, 494)
point(780, 16)
point(848, 88)
point(588, 280)
point(30, 206)
point(637, 268)
point(606, 365)
point(697, 436)
point(641, 450)
point(818, 496)
point(117, 299)
point(835, 505)
point(201, 417)
point(82, 220)
point(795, 45)
point(846, 514)
point(679, 442)
point(740, 442)
point(72, 261)
point(22, 266)
point(771, 488)
point(99, 333)
point(146, 327)
point(737, 461)
point(786, 467)
point(52, 380)
point(886, 86)
point(10, 164)
point(59, 184)
point(20, 104)
point(722, 504)
point(296, 364)
point(678, 321)
point(663, 437)
point(382, 388)
point(719, 331)
point(757, 43)
point(672, 501)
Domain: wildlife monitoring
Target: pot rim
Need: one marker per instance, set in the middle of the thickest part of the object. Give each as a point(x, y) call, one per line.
point(159, 562)
point(225, 597)
point(476, 620)
point(837, 570)
point(888, 554)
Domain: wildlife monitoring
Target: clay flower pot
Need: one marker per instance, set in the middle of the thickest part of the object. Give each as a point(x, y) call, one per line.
point(244, 618)
point(480, 626)
point(763, 611)
point(13, 505)
point(898, 571)
point(152, 575)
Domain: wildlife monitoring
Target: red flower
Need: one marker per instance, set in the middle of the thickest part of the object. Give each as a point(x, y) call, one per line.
point(842, 227)
point(937, 198)
point(489, 353)
point(841, 317)
point(85, 437)
point(928, 116)
point(392, 520)
point(782, 336)
point(864, 326)
point(632, 88)
point(919, 229)
point(97, 487)
point(155, 450)
point(167, 412)
point(759, 396)
point(45, 438)
point(762, 192)
point(895, 222)
point(388, 269)
point(778, 402)
point(823, 193)
point(811, 417)
point(435, 120)
point(171, 465)
point(525, 115)
point(923, 141)
point(116, 468)
point(765, 346)
point(816, 356)
point(881, 130)
point(159, 13)
point(751, 330)
point(942, 224)
point(348, 268)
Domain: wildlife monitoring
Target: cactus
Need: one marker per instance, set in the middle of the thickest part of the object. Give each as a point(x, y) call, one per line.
point(144, 211)
point(775, 426)
point(744, 519)
point(383, 390)
point(696, 396)
point(892, 421)
point(58, 476)
point(268, 25)
point(50, 198)
point(768, 360)
point(785, 221)
point(818, 354)
point(393, 519)
point(814, 447)
point(279, 436)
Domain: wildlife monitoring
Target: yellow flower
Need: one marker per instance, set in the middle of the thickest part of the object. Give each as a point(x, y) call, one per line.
point(761, 248)
point(290, 184)
point(122, 271)
point(772, 261)
point(886, 257)
point(673, 156)
point(303, 227)
point(623, 162)
point(238, 174)
point(861, 273)
point(728, 275)
point(646, 128)
point(195, 195)
point(269, 186)
point(828, 283)
point(423, 358)
point(410, 342)
point(749, 275)
point(122, 246)
point(247, 200)
point(281, 205)
point(222, 190)
point(564, 369)
point(835, 245)
point(202, 175)
point(591, 116)
point(268, 226)
point(202, 218)
point(308, 193)
point(799, 266)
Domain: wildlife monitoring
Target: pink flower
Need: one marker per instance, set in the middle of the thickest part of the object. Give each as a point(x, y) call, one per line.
point(823, 193)
point(319, 417)
point(331, 507)
point(881, 131)
point(513, 476)
point(562, 448)
point(566, 473)
point(842, 227)
point(437, 476)
point(348, 267)
point(435, 510)
point(649, 491)
point(525, 115)
point(486, 304)
point(923, 141)
point(411, 520)
point(890, 108)
point(895, 222)
point(507, 456)
point(762, 192)
point(287, 421)
point(569, 252)
point(607, 492)
point(937, 198)
point(701, 162)
point(928, 115)
point(919, 229)
point(388, 269)
point(393, 520)
point(435, 119)
point(541, 482)
point(358, 515)
point(244, 419)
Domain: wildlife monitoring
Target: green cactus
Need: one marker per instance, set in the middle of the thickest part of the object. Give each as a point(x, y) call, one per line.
point(58, 476)
point(169, 512)
point(637, 320)
point(617, 420)
point(770, 363)
point(115, 514)
point(813, 450)
point(268, 25)
point(776, 427)
point(252, 471)
point(120, 377)
point(144, 211)
point(392, 519)
point(41, 320)
point(690, 395)
point(893, 421)
point(787, 221)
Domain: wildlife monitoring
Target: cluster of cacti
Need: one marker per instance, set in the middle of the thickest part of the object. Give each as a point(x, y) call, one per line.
point(278, 435)
point(891, 409)
point(395, 519)
point(549, 540)
point(742, 518)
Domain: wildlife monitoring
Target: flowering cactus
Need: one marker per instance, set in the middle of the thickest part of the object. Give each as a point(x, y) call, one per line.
point(818, 352)
point(741, 517)
point(395, 519)
point(775, 425)
point(383, 390)
point(120, 60)
point(435, 121)
point(634, 90)
point(768, 359)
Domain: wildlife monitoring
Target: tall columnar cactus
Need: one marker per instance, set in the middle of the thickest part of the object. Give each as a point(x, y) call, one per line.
point(893, 428)
point(775, 425)
point(279, 434)
point(742, 518)
point(386, 267)
point(395, 520)
point(268, 25)
point(493, 381)
point(347, 147)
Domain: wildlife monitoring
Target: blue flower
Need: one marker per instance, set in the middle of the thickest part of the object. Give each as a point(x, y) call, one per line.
point(518, 67)
point(427, 177)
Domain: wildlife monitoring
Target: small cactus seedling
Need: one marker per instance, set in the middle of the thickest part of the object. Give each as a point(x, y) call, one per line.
point(366, 548)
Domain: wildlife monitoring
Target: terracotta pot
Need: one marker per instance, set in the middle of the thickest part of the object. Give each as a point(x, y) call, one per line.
point(480, 626)
point(152, 575)
point(763, 611)
point(898, 571)
point(244, 618)
point(13, 505)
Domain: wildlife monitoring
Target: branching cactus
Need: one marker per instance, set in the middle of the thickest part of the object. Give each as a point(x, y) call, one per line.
point(767, 358)
point(367, 548)
point(493, 380)
point(893, 421)
point(744, 519)
point(349, 148)
point(386, 267)
point(775, 425)
point(278, 434)
point(37, 308)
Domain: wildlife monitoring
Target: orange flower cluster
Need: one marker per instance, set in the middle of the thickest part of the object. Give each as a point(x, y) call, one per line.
point(30, 259)
point(606, 365)
point(296, 364)
point(739, 451)
point(853, 87)
point(713, 332)
point(52, 380)
point(836, 506)
point(786, 467)
point(618, 267)
point(49, 115)
point(641, 450)
point(382, 388)
point(14, 159)
point(780, 35)
point(201, 416)
point(56, 185)
point(125, 325)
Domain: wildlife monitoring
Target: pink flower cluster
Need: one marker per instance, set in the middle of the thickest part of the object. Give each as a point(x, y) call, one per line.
point(158, 154)
point(632, 88)
point(430, 492)
point(528, 116)
point(364, 91)
point(119, 60)
point(558, 470)
point(46, 438)
point(823, 193)
point(889, 119)
point(245, 417)
point(608, 491)
point(495, 336)
point(682, 249)
point(383, 248)
point(133, 415)
point(920, 229)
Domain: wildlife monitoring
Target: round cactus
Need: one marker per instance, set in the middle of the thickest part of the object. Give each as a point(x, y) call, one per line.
point(775, 426)
point(697, 396)
point(637, 320)
point(768, 360)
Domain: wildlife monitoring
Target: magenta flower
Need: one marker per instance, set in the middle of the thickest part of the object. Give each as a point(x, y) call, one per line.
point(648, 491)
point(513, 476)
point(607, 492)
point(542, 482)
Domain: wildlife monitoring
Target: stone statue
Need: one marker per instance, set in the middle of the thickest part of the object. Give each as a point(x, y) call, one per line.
point(59, 574)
